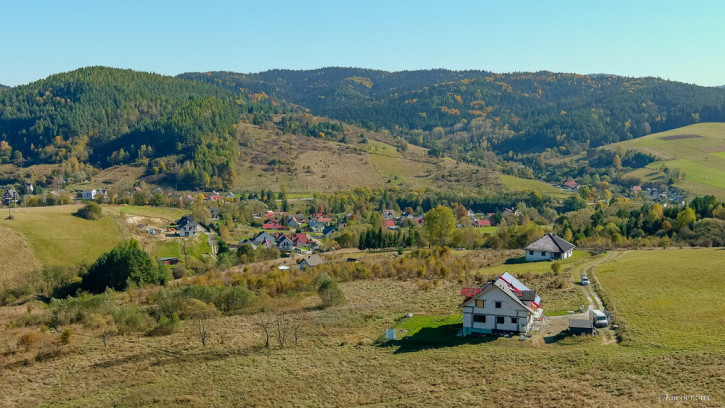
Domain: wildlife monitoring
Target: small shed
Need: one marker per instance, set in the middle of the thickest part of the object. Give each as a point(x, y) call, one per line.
point(581, 326)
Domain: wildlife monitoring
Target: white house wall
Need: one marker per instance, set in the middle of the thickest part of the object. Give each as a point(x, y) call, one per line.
point(538, 256)
point(509, 308)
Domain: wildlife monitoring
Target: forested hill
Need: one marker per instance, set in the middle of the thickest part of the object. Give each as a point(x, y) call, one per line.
point(104, 116)
point(3, 87)
point(470, 112)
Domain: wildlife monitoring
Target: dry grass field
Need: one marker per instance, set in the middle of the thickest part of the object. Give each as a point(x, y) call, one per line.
point(337, 362)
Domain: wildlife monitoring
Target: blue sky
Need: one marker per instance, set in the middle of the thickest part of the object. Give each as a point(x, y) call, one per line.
point(672, 40)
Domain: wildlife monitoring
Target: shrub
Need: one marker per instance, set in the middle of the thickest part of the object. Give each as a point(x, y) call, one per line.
point(331, 294)
point(90, 211)
point(125, 265)
point(66, 336)
point(166, 326)
point(28, 340)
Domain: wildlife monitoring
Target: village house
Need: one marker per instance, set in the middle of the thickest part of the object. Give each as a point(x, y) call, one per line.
point(247, 242)
point(295, 221)
point(89, 194)
point(299, 239)
point(263, 236)
point(329, 231)
point(310, 261)
point(285, 244)
point(571, 184)
point(10, 196)
point(549, 247)
point(214, 213)
point(407, 214)
point(389, 214)
point(273, 225)
point(482, 223)
point(500, 306)
point(186, 226)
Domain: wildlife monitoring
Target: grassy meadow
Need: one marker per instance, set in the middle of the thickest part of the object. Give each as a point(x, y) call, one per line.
point(57, 237)
point(514, 183)
point(696, 149)
point(677, 304)
point(17, 256)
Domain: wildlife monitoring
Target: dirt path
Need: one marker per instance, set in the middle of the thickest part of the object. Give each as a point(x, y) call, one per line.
point(594, 301)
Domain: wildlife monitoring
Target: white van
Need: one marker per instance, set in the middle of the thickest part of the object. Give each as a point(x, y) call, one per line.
point(598, 318)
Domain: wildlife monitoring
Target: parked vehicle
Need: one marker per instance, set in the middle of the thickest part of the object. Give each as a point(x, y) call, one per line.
point(598, 318)
point(585, 279)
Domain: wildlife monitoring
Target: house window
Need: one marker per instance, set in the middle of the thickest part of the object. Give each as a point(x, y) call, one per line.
point(479, 318)
point(499, 319)
point(531, 252)
point(543, 253)
point(498, 305)
point(514, 320)
point(479, 303)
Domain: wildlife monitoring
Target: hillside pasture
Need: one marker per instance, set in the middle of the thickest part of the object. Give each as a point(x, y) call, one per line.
point(668, 298)
point(17, 256)
point(697, 149)
point(57, 237)
point(514, 183)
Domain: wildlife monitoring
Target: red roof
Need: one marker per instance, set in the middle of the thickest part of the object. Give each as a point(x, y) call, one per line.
point(389, 223)
point(483, 223)
point(298, 238)
point(468, 292)
point(636, 188)
point(570, 184)
point(272, 224)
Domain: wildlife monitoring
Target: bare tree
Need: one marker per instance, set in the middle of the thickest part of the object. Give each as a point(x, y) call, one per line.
point(283, 326)
point(265, 321)
point(200, 313)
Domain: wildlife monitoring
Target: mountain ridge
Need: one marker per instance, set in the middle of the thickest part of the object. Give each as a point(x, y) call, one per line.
point(521, 112)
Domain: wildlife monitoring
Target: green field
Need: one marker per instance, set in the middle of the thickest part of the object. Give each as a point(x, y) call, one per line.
point(536, 267)
point(698, 149)
point(57, 237)
point(168, 213)
point(514, 183)
point(668, 298)
point(388, 167)
point(168, 249)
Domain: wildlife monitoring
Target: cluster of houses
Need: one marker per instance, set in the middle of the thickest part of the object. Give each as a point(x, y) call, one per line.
point(299, 242)
point(505, 305)
point(324, 223)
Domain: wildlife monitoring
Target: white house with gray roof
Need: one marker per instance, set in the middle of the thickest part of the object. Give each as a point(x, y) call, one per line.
point(549, 247)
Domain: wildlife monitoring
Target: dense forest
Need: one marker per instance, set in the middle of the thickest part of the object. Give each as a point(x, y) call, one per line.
point(467, 113)
point(104, 116)
point(3, 87)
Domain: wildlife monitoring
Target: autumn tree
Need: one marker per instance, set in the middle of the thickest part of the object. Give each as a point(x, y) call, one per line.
point(439, 224)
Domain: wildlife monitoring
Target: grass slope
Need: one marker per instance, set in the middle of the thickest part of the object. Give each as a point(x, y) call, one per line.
point(514, 183)
point(677, 306)
point(696, 149)
point(303, 164)
point(17, 256)
point(59, 238)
